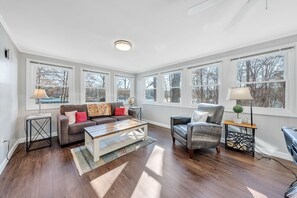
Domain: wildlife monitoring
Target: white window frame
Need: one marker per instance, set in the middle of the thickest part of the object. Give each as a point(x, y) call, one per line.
point(290, 109)
point(190, 73)
point(181, 85)
point(31, 81)
point(83, 85)
point(116, 89)
point(144, 88)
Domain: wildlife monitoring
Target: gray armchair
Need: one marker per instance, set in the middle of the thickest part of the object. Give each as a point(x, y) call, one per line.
point(199, 134)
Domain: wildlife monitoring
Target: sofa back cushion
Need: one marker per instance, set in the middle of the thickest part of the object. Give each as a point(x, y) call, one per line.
point(95, 110)
point(114, 105)
point(78, 108)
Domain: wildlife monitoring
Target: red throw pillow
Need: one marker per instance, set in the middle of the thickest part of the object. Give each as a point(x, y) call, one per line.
point(119, 111)
point(81, 117)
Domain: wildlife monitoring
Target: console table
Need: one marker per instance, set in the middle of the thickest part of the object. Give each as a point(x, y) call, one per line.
point(243, 140)
point(38, 124)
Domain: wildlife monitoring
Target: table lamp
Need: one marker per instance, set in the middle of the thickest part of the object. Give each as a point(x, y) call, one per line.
point(241, 93)
point(37, 95)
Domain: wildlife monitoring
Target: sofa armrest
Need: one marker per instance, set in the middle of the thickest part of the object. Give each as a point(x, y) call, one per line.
point(132, 113)
point(62, 128)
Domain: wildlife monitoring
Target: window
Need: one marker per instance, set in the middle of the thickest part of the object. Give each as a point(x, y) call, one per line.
point(205, 84)
point(265, 75)
point(56, 80)
point(172, 87)
point(95, 86)
point(150, 88)
point(123, 88)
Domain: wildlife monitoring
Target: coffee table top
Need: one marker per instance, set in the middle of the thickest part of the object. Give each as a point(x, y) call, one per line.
point(113, 127)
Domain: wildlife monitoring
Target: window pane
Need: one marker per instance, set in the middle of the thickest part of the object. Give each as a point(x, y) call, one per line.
point(123, 95)
point(150, 95)
point(208, 94)
point(172, 80)
point(172, 95)
point(52, 76)
point(261, 69)
point(95, 80)
point(55, 94)
point(270, 95)
point(205, 76)
point(123, 83)
point(151, 82)
point(95, 95)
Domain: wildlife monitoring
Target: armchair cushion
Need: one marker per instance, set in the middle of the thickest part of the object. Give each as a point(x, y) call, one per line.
point(181, 130)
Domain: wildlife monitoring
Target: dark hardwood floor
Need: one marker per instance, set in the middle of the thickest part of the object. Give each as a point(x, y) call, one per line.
point(157, 170)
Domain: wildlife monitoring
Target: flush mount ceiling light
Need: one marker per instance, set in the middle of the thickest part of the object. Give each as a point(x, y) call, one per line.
point(123, 45)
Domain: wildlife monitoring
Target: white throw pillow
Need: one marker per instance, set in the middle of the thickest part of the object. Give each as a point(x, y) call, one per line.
point(126, 110)
point(71, 117)
point(199, 116)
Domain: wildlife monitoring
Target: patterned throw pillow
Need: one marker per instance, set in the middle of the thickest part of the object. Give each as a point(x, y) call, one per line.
point(199, 116)
point(71, 117)
point(99, 109)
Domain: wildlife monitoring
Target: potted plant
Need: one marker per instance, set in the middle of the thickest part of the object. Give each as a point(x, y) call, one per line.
point(238, 109)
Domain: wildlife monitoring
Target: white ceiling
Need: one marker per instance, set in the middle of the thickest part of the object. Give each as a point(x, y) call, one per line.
point(160, 30)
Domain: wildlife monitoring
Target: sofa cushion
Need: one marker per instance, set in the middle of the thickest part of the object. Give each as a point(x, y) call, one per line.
point(79, 127)
point(67, 108)
point(181, 130)
point(119, 111)
point(103, 109)
point(114, 105)
point(124, 117)
point(80, 117)
point(103, 120)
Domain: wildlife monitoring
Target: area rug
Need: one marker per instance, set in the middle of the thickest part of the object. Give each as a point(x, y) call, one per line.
point(84, 160)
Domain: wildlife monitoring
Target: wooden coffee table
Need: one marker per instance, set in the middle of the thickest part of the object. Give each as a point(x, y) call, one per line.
point(105, 138)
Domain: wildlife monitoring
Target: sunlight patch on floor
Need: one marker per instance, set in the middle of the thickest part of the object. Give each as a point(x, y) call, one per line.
point(256, 194)
point(103, 183)
point(147, 187)
point(155, 161)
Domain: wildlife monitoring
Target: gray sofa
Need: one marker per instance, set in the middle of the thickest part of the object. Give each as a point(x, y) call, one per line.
point(73, 133)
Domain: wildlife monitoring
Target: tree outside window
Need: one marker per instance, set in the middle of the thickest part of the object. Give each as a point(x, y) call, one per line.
point(172, 87)
point(265, 76)
point(123, 88)
point(55, 81)
point(95, 87)
point(205, 85)
point(151, 88)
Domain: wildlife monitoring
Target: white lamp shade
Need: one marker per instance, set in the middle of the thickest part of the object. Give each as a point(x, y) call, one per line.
point(39, 94)
point(239, 93)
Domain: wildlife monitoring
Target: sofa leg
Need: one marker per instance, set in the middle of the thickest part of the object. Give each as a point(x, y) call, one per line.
point(173, 140)
point(218, 149)
point(191, 152)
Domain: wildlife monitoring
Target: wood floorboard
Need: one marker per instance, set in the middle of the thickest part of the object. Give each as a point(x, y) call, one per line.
point(51, 172)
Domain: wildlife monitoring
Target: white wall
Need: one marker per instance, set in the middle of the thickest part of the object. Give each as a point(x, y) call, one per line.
point(269, 137)
point(77, 67)
point(8, 94)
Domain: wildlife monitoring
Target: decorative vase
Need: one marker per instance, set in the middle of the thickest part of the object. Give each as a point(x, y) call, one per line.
point(237, 120)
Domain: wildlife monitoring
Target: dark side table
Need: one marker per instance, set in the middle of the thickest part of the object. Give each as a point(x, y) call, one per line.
point(243, 140)
point(137, 110)
point(38, 129)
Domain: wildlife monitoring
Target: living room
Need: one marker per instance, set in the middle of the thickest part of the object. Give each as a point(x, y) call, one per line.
point(177, 56)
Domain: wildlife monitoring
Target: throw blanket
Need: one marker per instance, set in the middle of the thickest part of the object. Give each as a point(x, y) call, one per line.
point(99, 109)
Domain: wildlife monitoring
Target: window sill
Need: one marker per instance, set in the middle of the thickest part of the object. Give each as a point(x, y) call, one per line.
point(256, 111)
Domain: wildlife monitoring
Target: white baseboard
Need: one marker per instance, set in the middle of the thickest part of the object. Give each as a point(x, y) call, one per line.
point(157, 123)
point(10, 153)
point(13, 148)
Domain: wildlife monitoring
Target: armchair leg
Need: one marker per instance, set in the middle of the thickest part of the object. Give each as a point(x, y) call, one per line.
point(218, 149)
point(173, 140)
point(191, 152)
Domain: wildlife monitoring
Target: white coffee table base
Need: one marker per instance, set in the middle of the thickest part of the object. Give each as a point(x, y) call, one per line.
point(108, 143)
